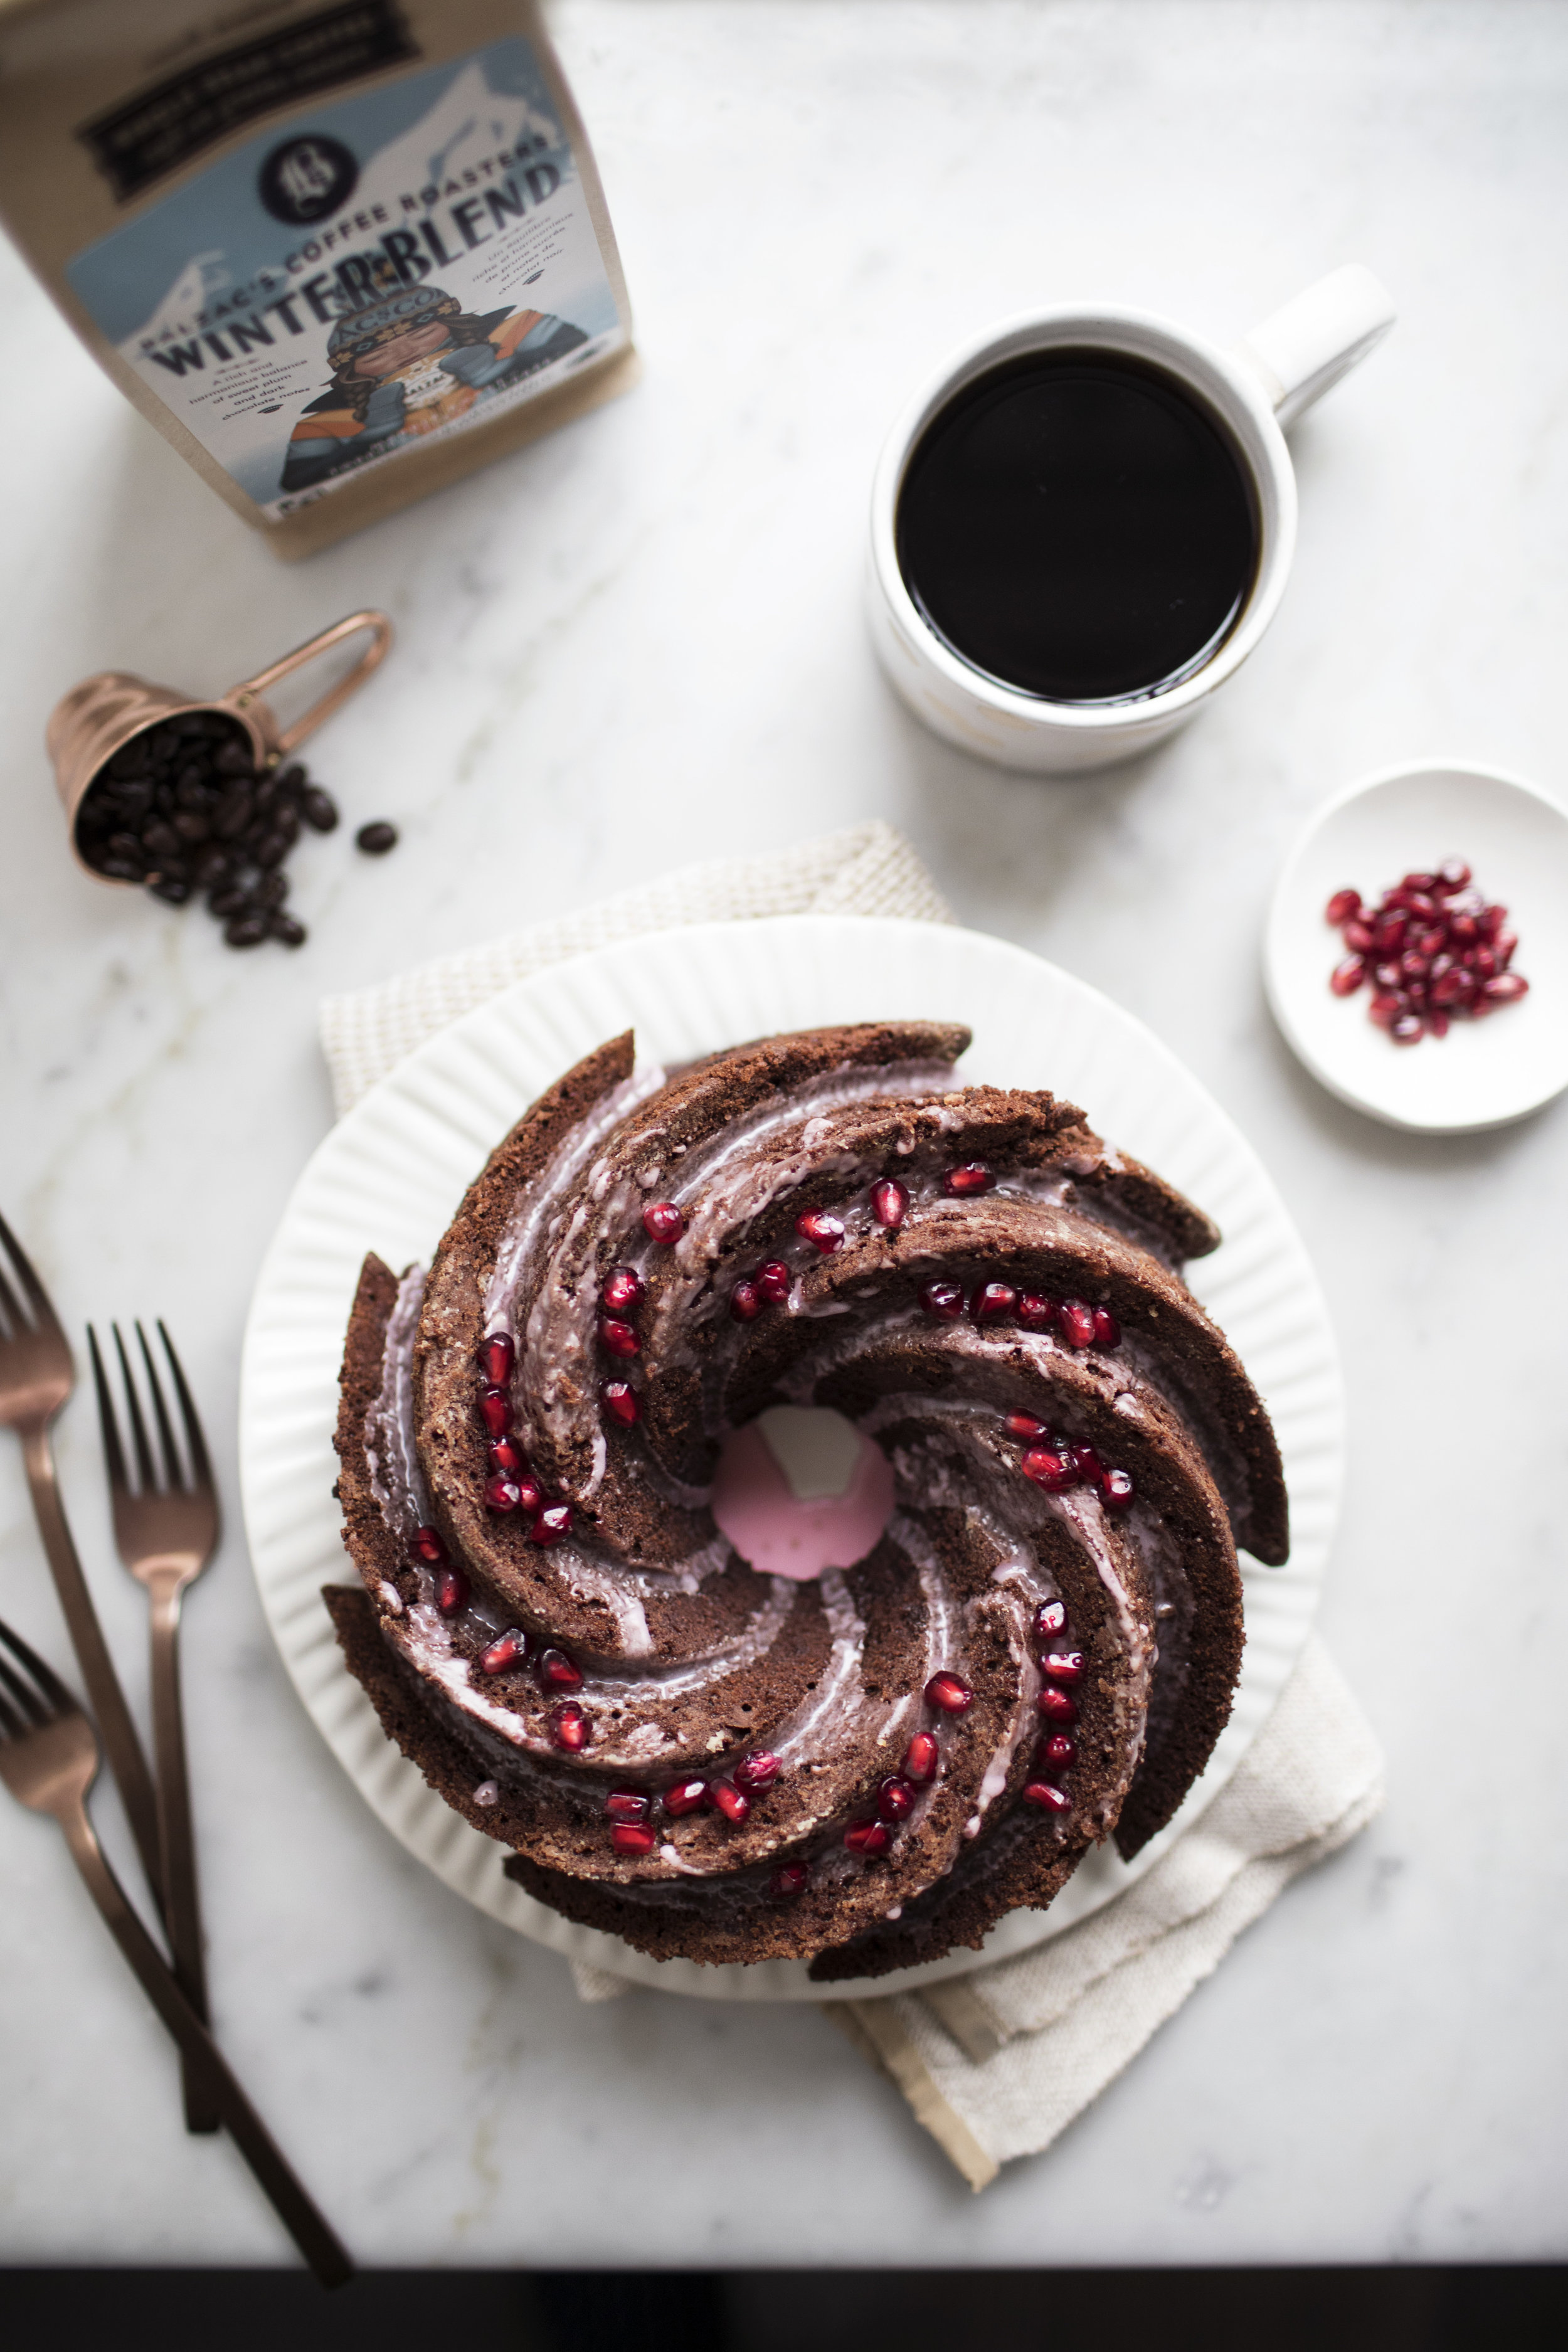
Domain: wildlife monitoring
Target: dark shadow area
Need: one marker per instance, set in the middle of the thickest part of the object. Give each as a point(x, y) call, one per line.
point(1416, 2309)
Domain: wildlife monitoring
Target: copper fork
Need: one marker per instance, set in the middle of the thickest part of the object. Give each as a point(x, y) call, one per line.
point(35, 1379)
point(48, 1759)
point(166, 1529)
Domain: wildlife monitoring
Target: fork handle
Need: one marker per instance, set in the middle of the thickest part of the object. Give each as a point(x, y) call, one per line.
point(106, 1698)
point(308, 2228)
point(177, 1840)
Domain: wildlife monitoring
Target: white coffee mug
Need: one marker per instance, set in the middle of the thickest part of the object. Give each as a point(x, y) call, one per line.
point(1258, 386)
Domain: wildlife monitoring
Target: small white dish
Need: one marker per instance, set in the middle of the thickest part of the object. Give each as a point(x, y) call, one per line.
point(1482, 1073)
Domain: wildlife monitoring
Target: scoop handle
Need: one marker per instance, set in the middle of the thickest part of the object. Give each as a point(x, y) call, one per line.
point(1300, 351)
point(239, 697)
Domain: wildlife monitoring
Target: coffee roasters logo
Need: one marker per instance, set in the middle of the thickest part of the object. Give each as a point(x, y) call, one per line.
point(307, 178)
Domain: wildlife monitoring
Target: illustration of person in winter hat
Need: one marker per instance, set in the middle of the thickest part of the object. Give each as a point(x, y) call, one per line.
point(407, 362)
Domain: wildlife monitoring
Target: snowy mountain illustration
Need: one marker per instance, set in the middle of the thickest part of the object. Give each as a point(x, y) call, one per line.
point(468, 124)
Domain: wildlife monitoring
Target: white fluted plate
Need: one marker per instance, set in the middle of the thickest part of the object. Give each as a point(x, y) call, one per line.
point(390, 1176)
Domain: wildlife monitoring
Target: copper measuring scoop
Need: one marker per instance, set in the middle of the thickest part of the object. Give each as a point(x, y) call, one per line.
point(99, 717)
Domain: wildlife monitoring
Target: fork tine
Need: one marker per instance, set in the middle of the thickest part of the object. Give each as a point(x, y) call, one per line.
point(38, 1297)
point(33, 1710)
point(196, 1443)
point(144, 1469)
point(47, 1681)
point(119, 1483)
point(13, 1322)
point(174, 1476)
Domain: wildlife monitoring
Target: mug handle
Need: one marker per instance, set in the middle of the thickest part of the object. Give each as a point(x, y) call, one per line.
point(1300, 351)
point(374, 653)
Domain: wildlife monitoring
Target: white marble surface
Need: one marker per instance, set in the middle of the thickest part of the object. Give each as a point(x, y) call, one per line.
point(640, 643)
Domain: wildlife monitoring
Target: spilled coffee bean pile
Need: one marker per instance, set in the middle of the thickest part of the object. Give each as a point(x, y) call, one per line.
point(183, 808)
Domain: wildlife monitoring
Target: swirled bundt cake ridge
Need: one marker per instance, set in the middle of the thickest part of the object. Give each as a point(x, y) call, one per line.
point(871, 1768)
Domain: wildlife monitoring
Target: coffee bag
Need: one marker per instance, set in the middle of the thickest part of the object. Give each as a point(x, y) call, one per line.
point(339, 256)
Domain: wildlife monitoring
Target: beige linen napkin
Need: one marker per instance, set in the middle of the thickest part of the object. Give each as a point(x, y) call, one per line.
point(995, 2063)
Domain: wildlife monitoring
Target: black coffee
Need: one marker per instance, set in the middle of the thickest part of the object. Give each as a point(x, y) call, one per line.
point(1080, 526)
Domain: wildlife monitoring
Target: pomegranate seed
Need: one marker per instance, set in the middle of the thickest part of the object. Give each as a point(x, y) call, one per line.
point(685, 1797)
point(1051, 1619)
point(622, 1290)
point(498, 1354)
point(868, 1837)
point(1047, 1796)
point(949, 1693)
point(426, 1544)
point(890, 1203)
point(451, 1590)
point(1503, 947)
point(1347, 977)
point(993, 1299)
point(1385, 1009)
point(1358, 938)
point(621, 1402)
point(921, 1759)
point(502, 1494)
point(1464, 930)
point(1117, 1489)
point(1057, 1749)
point(1343, 905)
point(632, 1837)
point(1491, 921)
point(1419, 882)
point(756, 1771)
point(551, 1524)
point(568, 1726)
point(965, 1182)
point(558, 1672)
point(1389, 975)
point(1088, 1465)
point(508, 1650)
point(629, 1803)
point(746, 1302)
point(824, 1233)
point(505, 1459)
point(495, 1411)
point(1078, 1323)
point(1437, 1021)
point(1035, 1312)
point(942, 1299)
point(619, 1336)
point(789, 1878)
point(1505, 989)
point(662, 1222)
point(773, 1279)
point(726, 1799)
point(1413, 966)
point(1419, 903)
point(1455, 986)
point(1388, 934)
point(1106, 1329)
point(1408, 1030)
point(1453, 873)
point(1063, 1666)
point(1483, 963)
point(895, 1797)
point(530, 1494)
point(1057, 1705)
point(1024, 1424)
point(1055, 1472)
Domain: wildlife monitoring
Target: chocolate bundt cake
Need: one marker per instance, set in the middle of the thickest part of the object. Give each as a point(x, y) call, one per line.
point(869, 1767)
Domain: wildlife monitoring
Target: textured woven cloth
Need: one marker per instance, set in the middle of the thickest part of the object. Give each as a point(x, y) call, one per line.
point(997, 2063)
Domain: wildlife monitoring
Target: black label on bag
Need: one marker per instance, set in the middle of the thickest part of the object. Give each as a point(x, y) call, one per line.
point(159, 130)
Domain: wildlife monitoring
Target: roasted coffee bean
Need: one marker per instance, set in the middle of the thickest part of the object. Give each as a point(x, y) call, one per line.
point(191, 788)
point(271, 849)
point(272, 889)
point(189, 722)
point(192, 825)
point(160, 840)
point(124, 844)
point(246, 931)
point(173, 888)
point(291, 779)
point(286, 821)
point(209, 868)
point(319, 809)
point(376, 839)
point(118, 869)
point(234, 759)
point(164, 743)
point(234, 812)
point(230, 900)
point(134, 800)
point(283, 927)
point(129, 759)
